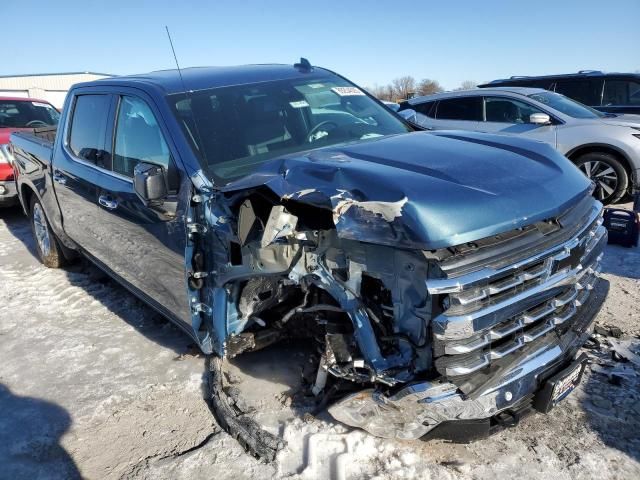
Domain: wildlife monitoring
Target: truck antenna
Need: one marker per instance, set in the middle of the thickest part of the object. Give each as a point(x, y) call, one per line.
point(200, 145)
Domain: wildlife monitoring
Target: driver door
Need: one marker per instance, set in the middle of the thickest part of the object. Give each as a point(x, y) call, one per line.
point(144, 244)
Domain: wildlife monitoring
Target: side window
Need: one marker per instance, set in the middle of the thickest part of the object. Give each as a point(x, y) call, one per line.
point(507, 110)
point(462, 108)
point(423, 108)
point(584, 91)
point(621, 92)
point(88, 127)
point(138, 138)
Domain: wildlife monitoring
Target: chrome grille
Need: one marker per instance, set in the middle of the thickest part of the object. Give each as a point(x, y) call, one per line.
point(490, 314)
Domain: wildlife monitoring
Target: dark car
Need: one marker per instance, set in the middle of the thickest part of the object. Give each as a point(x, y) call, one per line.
point(607, 92)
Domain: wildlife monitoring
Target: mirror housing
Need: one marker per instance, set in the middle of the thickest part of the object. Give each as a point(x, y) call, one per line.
point(540, 119)
point(150, 183)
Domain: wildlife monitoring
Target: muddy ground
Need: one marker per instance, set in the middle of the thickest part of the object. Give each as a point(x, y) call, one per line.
point(94, 384)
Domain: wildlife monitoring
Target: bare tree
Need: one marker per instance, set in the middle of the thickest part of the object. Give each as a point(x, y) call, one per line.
point(377, 91)
point(403, 86)
point(467, 85)
point(428, 87)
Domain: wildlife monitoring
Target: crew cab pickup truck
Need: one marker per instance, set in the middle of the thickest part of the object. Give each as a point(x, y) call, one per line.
point(17, 113)
point(445, 279)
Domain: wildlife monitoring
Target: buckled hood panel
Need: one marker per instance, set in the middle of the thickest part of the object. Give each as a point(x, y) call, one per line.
point(427, 190)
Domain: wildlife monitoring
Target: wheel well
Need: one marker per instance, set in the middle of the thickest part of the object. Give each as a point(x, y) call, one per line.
point(26, 193)
point(577, 153)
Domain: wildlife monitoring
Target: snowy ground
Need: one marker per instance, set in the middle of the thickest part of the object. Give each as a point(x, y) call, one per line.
point(94, 384)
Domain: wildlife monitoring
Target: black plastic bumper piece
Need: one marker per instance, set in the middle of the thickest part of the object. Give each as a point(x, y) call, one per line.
point(467, 431)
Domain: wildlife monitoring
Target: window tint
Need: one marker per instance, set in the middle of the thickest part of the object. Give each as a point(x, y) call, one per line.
point(423, 108)
point(463, 108)
point(507, 110)
point(88, 127)
point(621, 92)
point(138, 138)
point(240, 127)
point(584, 91)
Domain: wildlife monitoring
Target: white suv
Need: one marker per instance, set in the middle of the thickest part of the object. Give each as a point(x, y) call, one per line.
point(606, 147)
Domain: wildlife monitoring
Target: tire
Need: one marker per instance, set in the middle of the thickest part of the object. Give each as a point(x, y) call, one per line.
point(47, 245)
point(608, 173)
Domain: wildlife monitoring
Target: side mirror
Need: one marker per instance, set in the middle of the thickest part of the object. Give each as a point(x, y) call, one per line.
point(539, 119)
point(150, 183)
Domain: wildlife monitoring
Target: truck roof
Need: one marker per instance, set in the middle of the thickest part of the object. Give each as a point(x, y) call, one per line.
point(199, 78)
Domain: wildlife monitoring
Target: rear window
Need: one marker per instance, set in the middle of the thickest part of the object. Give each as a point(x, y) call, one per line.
point(463, 108)
point(88, 128)
point(27, 114)
point(588, 92)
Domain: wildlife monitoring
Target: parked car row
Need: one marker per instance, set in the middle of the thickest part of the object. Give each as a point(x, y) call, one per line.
point(607, 92)
point(605, 146)
point(443, 280)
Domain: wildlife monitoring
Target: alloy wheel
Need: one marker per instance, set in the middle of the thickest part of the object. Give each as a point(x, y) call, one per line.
point(604, 176)
point(41, 230)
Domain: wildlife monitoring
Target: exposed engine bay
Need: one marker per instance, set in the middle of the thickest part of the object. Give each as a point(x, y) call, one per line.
point(413, 337)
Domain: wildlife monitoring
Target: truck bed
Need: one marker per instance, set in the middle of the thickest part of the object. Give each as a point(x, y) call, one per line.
point(38, 143)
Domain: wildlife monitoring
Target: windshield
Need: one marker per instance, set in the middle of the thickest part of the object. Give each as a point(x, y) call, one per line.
point(566, 105)
point(238, 128)
point(27, 114)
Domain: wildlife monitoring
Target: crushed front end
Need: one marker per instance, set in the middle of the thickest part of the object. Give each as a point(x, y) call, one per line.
point(404, 339)
point(509, 311)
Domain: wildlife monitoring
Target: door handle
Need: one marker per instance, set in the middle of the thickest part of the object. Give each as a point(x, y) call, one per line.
point(59, 178)
point(107, 202)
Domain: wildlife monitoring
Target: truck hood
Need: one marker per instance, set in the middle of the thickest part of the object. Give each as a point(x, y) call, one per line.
point(427, 190)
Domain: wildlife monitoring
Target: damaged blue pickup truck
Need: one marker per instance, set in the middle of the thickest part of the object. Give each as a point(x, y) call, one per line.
point(446, 279)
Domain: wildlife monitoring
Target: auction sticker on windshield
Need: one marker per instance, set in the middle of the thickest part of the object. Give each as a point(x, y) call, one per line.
point(347, 91)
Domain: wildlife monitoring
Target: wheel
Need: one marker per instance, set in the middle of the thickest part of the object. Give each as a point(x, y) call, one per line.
point(46, 241)
point(608, 173)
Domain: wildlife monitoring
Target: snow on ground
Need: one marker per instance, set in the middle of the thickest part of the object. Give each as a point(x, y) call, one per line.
point(94, 384)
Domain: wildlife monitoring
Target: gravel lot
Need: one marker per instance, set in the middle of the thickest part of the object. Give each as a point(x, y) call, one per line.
point(94, 384)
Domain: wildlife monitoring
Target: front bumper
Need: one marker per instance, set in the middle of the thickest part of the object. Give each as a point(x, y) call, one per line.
point(8, 193)
point(418, 409)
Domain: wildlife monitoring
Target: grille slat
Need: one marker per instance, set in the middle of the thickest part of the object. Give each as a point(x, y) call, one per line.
point(492, 318)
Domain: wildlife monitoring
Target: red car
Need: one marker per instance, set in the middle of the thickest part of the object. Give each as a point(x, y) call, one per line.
point(19, 114)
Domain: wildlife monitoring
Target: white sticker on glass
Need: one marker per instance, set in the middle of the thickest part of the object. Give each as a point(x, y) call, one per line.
point(347, 91)
point(299, 104)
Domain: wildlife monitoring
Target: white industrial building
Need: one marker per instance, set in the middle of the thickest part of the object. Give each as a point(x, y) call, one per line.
point(46, 86)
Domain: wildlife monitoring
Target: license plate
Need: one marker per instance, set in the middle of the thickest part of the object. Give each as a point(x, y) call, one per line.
point(565, 386)
point(560, 385)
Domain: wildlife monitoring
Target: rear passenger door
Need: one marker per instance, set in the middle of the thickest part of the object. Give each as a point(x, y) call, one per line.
point(459, 113)
point(143, 244)
point(75, 166)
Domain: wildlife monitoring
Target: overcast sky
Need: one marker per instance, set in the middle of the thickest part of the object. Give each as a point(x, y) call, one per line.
point(369, 42)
